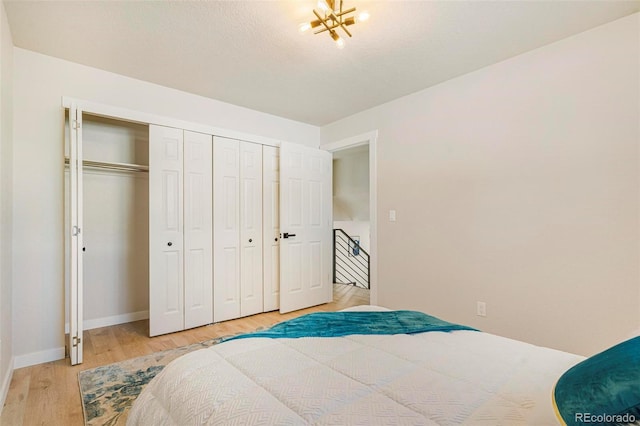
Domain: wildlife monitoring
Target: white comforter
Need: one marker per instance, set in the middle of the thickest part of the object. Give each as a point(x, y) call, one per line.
point(434, 378)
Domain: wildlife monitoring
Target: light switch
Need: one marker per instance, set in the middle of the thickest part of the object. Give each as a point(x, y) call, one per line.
point(392, 215)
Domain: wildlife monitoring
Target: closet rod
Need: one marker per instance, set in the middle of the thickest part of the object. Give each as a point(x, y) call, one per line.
point(111, 166)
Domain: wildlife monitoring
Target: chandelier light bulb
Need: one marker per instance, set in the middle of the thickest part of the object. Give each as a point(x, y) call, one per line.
point(339, 41)
point(322, 5)
point(304, 27)
point(363, 16)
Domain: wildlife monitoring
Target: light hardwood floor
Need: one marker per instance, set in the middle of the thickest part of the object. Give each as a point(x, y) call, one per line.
point(48, 394)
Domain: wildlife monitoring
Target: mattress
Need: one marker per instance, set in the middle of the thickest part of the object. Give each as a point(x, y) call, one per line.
point(432, 378)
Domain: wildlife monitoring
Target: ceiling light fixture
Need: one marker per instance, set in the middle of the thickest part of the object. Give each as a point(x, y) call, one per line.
point(332, 18)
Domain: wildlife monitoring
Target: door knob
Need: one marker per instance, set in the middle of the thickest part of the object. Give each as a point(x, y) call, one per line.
point(250, 240)
point(288, 235)
point(169, 243)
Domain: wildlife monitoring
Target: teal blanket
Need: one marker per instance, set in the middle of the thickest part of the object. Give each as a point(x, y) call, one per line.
point(336, 324)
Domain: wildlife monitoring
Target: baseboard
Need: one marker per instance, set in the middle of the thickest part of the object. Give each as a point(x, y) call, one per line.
point(34, 358)
point(113, 320)
point(116, 319)
point(55, 354)
point(6, 382)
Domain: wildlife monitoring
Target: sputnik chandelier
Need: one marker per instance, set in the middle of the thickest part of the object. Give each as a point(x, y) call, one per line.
point(332, 18)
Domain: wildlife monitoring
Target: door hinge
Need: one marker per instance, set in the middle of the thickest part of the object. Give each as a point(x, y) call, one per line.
point(76, 124)
point(76, 341)
point(75, 231)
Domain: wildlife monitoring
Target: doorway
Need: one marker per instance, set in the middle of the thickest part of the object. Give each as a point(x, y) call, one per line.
point(354, 213)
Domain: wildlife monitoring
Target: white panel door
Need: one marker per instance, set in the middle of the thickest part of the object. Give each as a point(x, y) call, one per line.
point(75, 273)
point(271, 227)
point(306, 226)
point(251, 291)
point(226, 229)
point(198, 260)
point(166, 286)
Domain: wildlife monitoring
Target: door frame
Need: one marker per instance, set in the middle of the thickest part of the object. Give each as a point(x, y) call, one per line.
point(371, 139)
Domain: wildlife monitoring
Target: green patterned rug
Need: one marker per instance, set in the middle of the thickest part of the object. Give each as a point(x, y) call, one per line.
point(108, 392)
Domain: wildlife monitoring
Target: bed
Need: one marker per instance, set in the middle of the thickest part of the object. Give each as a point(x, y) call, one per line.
point(460, 376)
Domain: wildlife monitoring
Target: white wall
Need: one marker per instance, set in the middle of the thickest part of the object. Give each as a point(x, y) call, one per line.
point(6, 234)
point(351, 184)
point(38, 211)
point(517, 185)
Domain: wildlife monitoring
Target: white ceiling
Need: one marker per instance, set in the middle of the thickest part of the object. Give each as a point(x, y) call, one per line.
point(250, 53)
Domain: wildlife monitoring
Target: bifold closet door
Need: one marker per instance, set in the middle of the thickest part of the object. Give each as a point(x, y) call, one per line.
point(198, 217)
point(180, 239)
point(166, 263)
point(76, 216)
point(271, 223)
point(251, 274)
point(237, 205)
point(226, 228)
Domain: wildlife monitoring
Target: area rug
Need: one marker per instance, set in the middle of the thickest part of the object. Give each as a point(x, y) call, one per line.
point(108, 392)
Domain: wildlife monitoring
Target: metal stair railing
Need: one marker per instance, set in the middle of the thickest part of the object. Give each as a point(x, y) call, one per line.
point(351, 263)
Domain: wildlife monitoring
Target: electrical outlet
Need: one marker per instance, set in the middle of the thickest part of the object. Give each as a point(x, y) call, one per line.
point(481, 309)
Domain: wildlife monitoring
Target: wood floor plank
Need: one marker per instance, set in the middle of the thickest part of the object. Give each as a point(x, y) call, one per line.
point(16, 402)
point(48, 394)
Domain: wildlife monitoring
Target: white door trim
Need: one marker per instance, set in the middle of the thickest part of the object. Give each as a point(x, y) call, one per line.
point(371, 139)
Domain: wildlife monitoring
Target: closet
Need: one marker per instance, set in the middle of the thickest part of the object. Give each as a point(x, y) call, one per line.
point(106, 179)
point(167, 222)
point(180, 237)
